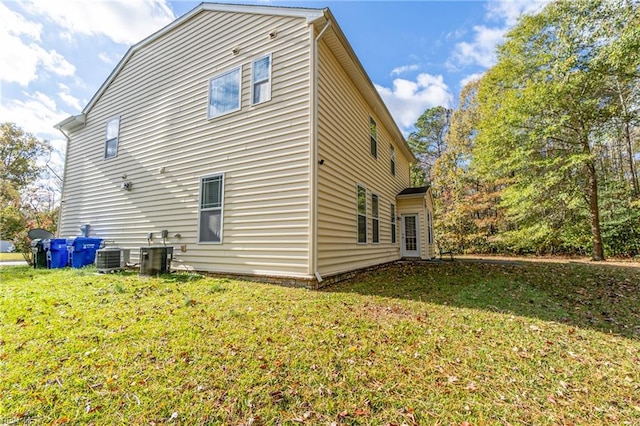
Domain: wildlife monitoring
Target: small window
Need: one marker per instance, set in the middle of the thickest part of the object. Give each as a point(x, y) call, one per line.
point(261, 80)
point(393, 224)
point(112, 136)
point(362, 214)
point(393, 161)
point(373, 130)
point(375, 219)
point(224, 93)
point(429, 228)
point(211, 191)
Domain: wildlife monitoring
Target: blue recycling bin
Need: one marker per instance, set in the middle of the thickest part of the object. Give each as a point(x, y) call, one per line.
point(56, 252)
point(82, 250)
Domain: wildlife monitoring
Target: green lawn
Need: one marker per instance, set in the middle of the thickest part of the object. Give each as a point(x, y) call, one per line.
point(442, 343)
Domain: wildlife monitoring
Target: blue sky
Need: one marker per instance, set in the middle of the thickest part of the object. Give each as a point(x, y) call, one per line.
point(56, 53)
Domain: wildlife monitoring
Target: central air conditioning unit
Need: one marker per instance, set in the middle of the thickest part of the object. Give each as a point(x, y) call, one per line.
point(112, 259)
point(155, 260)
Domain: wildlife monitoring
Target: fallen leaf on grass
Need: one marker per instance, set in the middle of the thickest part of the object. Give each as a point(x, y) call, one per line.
point(471, 387)
point(90, 409)
point(360, 412)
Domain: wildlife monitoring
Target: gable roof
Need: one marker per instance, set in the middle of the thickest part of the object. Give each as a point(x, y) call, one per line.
point(318, 17)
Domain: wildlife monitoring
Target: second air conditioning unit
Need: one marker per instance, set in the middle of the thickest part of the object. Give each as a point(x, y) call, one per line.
point(111, 259)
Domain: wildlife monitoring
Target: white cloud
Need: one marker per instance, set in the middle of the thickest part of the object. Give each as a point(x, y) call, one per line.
point(481, 49)
point(67, 98)
point(37, 114)
point(56, 63)
point(108, 58)
point(472, 77)
point(510, 10)
point(21, 56)
point(16, 24)
point(405, 68)
point(408, 99)
point(123, 21)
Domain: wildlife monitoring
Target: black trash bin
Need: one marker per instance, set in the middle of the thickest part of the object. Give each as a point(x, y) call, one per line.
point(39, 255)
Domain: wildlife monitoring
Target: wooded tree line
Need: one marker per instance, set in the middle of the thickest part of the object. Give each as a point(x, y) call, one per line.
point(542, 153)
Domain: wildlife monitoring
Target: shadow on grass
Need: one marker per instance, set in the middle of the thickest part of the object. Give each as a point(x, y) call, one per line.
point(600, 297)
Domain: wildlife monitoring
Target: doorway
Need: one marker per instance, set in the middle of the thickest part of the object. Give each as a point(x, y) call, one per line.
point(410, 236)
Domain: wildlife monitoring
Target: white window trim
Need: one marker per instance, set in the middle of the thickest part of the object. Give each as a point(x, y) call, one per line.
point(371, 137)
point(269, 79)
point(376, 218)
point(229, 71)
point(117, 138)
point(393, 165)
point(358, 214)
point(394, 225)
point(221, 208)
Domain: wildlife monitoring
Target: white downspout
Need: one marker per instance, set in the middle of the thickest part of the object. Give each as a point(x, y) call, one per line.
point(313, 238)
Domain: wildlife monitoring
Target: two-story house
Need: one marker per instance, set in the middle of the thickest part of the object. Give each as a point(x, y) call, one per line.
point(255, 138)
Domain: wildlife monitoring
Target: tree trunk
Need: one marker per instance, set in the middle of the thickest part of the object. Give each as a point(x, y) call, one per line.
point(627, 139)
point(632, 169)
point(594, 213)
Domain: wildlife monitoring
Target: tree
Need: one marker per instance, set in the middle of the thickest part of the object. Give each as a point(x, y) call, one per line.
point(542, 110)
point(428, 142)
point(20, 198)
point(19, 152)
point(467, 216)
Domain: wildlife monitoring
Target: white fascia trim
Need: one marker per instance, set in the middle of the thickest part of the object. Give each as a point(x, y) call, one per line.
point(71, 123)
point(296, 12)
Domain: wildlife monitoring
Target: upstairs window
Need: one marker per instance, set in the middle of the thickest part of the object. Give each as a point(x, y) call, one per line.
point(112, 136)
point(261, 80)
point(375, 219)
point(373, 132)
point(211, 203)
point(362, 214)
point(224, 93)
point(393, 161)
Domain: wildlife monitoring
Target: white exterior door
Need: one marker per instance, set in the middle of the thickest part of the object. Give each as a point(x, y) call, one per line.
point(410, 236)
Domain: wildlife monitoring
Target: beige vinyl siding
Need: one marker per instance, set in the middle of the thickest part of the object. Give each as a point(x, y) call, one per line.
point(167, 144)
point(344, 145)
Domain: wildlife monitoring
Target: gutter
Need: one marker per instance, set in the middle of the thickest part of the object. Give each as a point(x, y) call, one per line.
point(313, 238)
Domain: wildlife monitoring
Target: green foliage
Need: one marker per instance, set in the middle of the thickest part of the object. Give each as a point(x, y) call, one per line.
point(541, 154)
point(620, 221)
point(22, 206)
point(19, 152)
point(467, 216)
point(428, 142)
point(545, 111)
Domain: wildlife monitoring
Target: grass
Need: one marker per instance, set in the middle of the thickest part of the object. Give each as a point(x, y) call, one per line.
point(442, 343)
